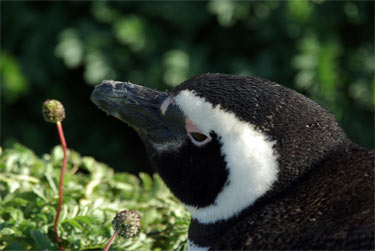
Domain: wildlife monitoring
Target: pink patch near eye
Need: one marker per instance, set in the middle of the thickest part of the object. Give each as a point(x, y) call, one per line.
point(190, 127)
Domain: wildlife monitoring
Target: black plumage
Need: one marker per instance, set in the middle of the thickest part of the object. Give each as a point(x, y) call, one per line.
point(195, 176)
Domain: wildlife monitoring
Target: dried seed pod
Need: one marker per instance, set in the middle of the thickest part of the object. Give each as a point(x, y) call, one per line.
point(127, 223)
point(53, 111)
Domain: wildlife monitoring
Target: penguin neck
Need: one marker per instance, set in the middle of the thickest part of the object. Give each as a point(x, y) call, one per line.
point(202, 236)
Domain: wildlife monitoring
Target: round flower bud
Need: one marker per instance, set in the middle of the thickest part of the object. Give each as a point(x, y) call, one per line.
point(127, 223)
point(53, 111)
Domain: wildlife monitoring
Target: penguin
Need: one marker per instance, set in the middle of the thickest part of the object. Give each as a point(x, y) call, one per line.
point(258, 165)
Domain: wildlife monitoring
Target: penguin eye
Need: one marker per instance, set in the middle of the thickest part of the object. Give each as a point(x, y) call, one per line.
point(198, 136)
point(199, 139)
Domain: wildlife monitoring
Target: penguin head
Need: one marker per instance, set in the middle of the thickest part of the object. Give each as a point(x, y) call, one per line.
point(222, 142)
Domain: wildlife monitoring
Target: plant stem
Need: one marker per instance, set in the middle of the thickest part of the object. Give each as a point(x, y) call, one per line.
point(63, 143)
point(110, 241)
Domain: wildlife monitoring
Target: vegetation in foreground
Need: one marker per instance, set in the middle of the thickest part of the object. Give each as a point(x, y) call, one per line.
point(93, 194)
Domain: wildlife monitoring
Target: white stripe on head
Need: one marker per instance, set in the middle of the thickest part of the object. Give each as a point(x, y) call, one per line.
point(251, 161)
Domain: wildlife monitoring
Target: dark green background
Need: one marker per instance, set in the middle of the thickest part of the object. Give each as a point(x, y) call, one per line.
point(323, 49)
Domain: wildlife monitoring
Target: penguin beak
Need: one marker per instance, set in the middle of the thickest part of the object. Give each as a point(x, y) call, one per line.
point(140, 107)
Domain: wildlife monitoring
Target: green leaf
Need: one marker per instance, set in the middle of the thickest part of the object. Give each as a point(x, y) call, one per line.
point(42, 241)
point(146, 181)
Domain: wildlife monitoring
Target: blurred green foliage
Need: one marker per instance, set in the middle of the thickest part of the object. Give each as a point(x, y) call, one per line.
point(324, 49)
point(93, 194)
